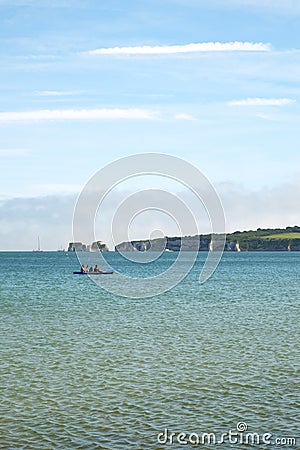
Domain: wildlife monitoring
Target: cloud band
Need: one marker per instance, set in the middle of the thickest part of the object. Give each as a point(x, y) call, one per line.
point(188, 48)
point(262, 102)
point(80, 114)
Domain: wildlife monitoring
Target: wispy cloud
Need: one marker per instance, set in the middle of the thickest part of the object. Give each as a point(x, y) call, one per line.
point(57, 93)
point(184, 116)
point(56, 189)
point(41, 3)
point(8, 152)
point(186, 48)
point(262, 102)
point(79, 114)
point(273, 6)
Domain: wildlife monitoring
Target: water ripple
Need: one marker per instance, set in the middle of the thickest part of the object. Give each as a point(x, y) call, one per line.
point(81, 369)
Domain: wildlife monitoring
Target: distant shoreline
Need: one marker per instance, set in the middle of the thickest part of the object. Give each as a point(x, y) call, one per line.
point(267, 240)
point(260, 240)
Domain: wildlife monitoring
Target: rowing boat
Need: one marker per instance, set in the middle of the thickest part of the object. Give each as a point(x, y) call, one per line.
point(105, 272)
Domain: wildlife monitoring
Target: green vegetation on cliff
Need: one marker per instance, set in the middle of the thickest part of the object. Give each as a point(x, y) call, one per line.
point(278, 239)
point(283, 236)
point(269, 239)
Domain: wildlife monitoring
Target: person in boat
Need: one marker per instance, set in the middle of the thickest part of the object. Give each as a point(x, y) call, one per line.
point(97, 269)
point(82, 270)
point(91, 269)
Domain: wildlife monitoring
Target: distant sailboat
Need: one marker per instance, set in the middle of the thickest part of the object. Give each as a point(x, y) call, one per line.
point(38, 245)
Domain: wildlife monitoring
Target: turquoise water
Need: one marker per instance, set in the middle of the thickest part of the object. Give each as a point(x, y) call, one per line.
point(83, 369)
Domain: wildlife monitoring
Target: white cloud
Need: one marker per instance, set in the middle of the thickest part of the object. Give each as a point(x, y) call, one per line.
point(50, 217)
point(184, 116)
point(22, 219)
point(262, 208)
point(7, 152)
point(80, 114)
point(56, 93)
point(58, 188)
point(262, 102)
point(187, 48)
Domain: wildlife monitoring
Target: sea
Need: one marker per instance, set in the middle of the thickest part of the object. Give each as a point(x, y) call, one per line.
point(212, 365)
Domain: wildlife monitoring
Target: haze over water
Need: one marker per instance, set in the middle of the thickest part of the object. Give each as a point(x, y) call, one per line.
point(83, 369)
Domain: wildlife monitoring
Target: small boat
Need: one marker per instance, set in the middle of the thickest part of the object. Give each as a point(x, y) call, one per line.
point(38, 245)
point(105, 272)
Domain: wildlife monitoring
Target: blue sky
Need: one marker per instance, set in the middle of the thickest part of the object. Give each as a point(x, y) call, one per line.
point(85, 82)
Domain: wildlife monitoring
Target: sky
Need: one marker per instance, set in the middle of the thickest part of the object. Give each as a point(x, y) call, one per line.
point(85, 82)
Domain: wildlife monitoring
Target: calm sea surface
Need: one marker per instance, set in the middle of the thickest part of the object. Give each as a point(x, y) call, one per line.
point(83, 369)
